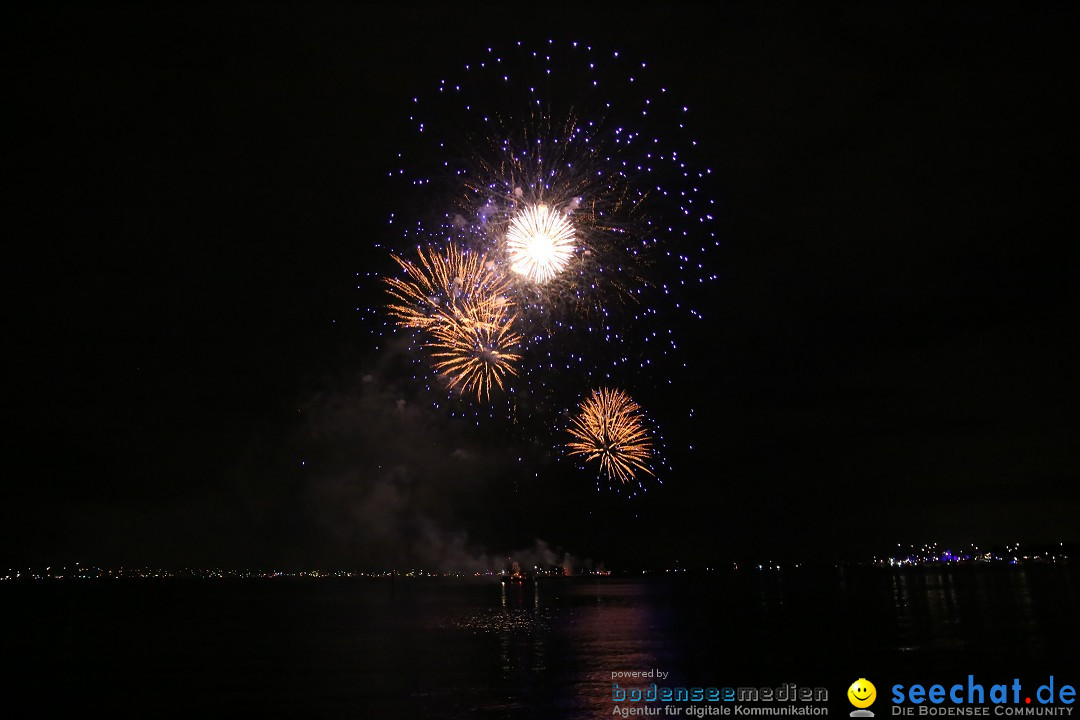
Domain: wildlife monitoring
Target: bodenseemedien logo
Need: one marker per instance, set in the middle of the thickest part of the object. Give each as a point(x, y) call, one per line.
point(862, 694)
point(683, 701)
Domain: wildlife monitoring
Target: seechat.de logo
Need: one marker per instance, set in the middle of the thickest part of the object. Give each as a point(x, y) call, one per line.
point(980, 699)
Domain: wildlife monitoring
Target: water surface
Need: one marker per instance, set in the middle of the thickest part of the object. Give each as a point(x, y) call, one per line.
point(474, 648)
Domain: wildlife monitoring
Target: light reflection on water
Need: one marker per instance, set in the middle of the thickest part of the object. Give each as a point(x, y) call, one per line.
point(546, 650)
point(576, 633)
point(560, 640)
point(983, 613)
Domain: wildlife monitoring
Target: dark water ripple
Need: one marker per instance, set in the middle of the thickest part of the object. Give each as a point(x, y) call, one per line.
point(475, 649)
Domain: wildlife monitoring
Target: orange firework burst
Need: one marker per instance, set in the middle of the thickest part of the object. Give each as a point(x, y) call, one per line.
point(456, 298)
point(438, 288)
point(473, 350)
point(610, 428)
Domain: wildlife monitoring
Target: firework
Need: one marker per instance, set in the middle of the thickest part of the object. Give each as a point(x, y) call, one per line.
point(473, 351)
point(573, 189)
point(440, 287)
point(600, 144)
point(558, 216)
point(540, 242)
point(609, 429)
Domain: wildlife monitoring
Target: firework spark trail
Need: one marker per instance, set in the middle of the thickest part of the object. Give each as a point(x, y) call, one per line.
point(474, 351)
point(440, 285)
point(454, 298)
point(610, 429)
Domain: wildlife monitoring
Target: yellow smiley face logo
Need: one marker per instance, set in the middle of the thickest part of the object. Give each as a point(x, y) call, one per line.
point(862, 693)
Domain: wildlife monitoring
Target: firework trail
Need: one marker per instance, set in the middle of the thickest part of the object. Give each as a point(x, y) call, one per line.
point(439, 285)
point(473, 352)
point(609, 429)
point(454, 298)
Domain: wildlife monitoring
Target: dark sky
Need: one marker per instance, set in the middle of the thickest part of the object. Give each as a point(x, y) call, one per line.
point(889, 354)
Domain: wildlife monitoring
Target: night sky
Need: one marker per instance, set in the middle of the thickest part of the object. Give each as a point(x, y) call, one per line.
point(888, 355)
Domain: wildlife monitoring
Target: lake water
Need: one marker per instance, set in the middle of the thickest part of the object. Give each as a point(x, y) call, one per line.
point(446, 648)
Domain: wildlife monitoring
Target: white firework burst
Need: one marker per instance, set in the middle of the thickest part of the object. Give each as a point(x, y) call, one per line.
point(540, 242)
